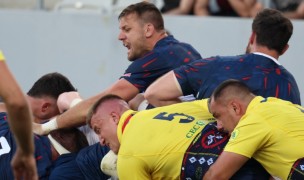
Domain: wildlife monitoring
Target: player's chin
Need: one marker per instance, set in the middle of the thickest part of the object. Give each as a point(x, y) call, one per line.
point(131, 57)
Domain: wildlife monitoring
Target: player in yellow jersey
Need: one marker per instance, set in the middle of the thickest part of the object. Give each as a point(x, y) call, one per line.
point(269, 130)
point(179, 141)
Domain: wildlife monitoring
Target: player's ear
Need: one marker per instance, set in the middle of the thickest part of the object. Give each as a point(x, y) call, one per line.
point(115, 117)
point(45, 107)
point(236, 107)
point(149, 30)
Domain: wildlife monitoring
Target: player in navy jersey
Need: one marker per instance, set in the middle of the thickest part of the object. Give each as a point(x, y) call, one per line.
point(152, 52)
point(45, 151)
point(259, 68)
point(43, 103)
point(8, 148)
point(167, 54)
point(65, 166)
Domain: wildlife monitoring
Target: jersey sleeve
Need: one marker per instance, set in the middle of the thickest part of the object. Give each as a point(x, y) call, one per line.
point(191, 76)
point(142, 72)
point(247, 138)
point(132, 168)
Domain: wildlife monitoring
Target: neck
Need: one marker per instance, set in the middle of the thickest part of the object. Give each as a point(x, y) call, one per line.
point(266, 50)
point(157, 37)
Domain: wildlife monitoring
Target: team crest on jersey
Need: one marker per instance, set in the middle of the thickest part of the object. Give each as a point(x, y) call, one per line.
point(234, 134)
point(212, 139)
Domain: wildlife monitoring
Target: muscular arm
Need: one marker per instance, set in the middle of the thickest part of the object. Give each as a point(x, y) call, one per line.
point(76, 116)
point(225, 166)
point(20, 118)
point(164, 91)
point(20, 121)
point(243, 8)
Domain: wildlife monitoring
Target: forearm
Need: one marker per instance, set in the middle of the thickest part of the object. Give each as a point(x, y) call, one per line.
point(20, 120)
point(76, 116)
point(163, 102)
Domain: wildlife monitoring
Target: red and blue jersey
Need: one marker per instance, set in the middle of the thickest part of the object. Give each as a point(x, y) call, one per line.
point(8, 149)
point(264, 76)
point(168, 54)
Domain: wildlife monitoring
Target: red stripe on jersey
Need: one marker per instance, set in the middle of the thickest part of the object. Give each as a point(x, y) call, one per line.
point(278, 71)
point(178, 76)
point(246, 78)
point(289, 88)
point(265, 82)
point(126, 122)
point(148, 63)
point(277, 91)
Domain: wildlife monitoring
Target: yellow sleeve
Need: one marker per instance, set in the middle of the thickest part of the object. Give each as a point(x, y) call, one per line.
point(249, 136)
point(2, 58)
point(132, 168)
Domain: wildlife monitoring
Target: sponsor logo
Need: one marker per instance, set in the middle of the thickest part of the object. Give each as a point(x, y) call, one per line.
point(234, 134)
point(195, 128)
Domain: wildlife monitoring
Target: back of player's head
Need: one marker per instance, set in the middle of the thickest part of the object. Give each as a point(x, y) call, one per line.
point(230, 88)
point(147, 13)
point(100, 102)
point(51, 84)
point(72, 139)
point(272, 29)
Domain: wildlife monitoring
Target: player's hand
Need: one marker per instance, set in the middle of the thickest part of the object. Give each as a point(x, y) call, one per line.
point(108, 164)
point(24, 166)
point(68, 99)
point(37, 129)
point(45, 128)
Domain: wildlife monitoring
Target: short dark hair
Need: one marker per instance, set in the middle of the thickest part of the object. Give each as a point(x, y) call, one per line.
point(147, 12)
point(238, 86)
point(272, 29)
point(51, 84)
point(103, 99)
point(72, 139)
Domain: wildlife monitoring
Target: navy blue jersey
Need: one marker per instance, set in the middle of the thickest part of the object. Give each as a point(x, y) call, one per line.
point(264, 76)
point(167, 54)
point(8, 149)
point(65, 167)
point(89, 159)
